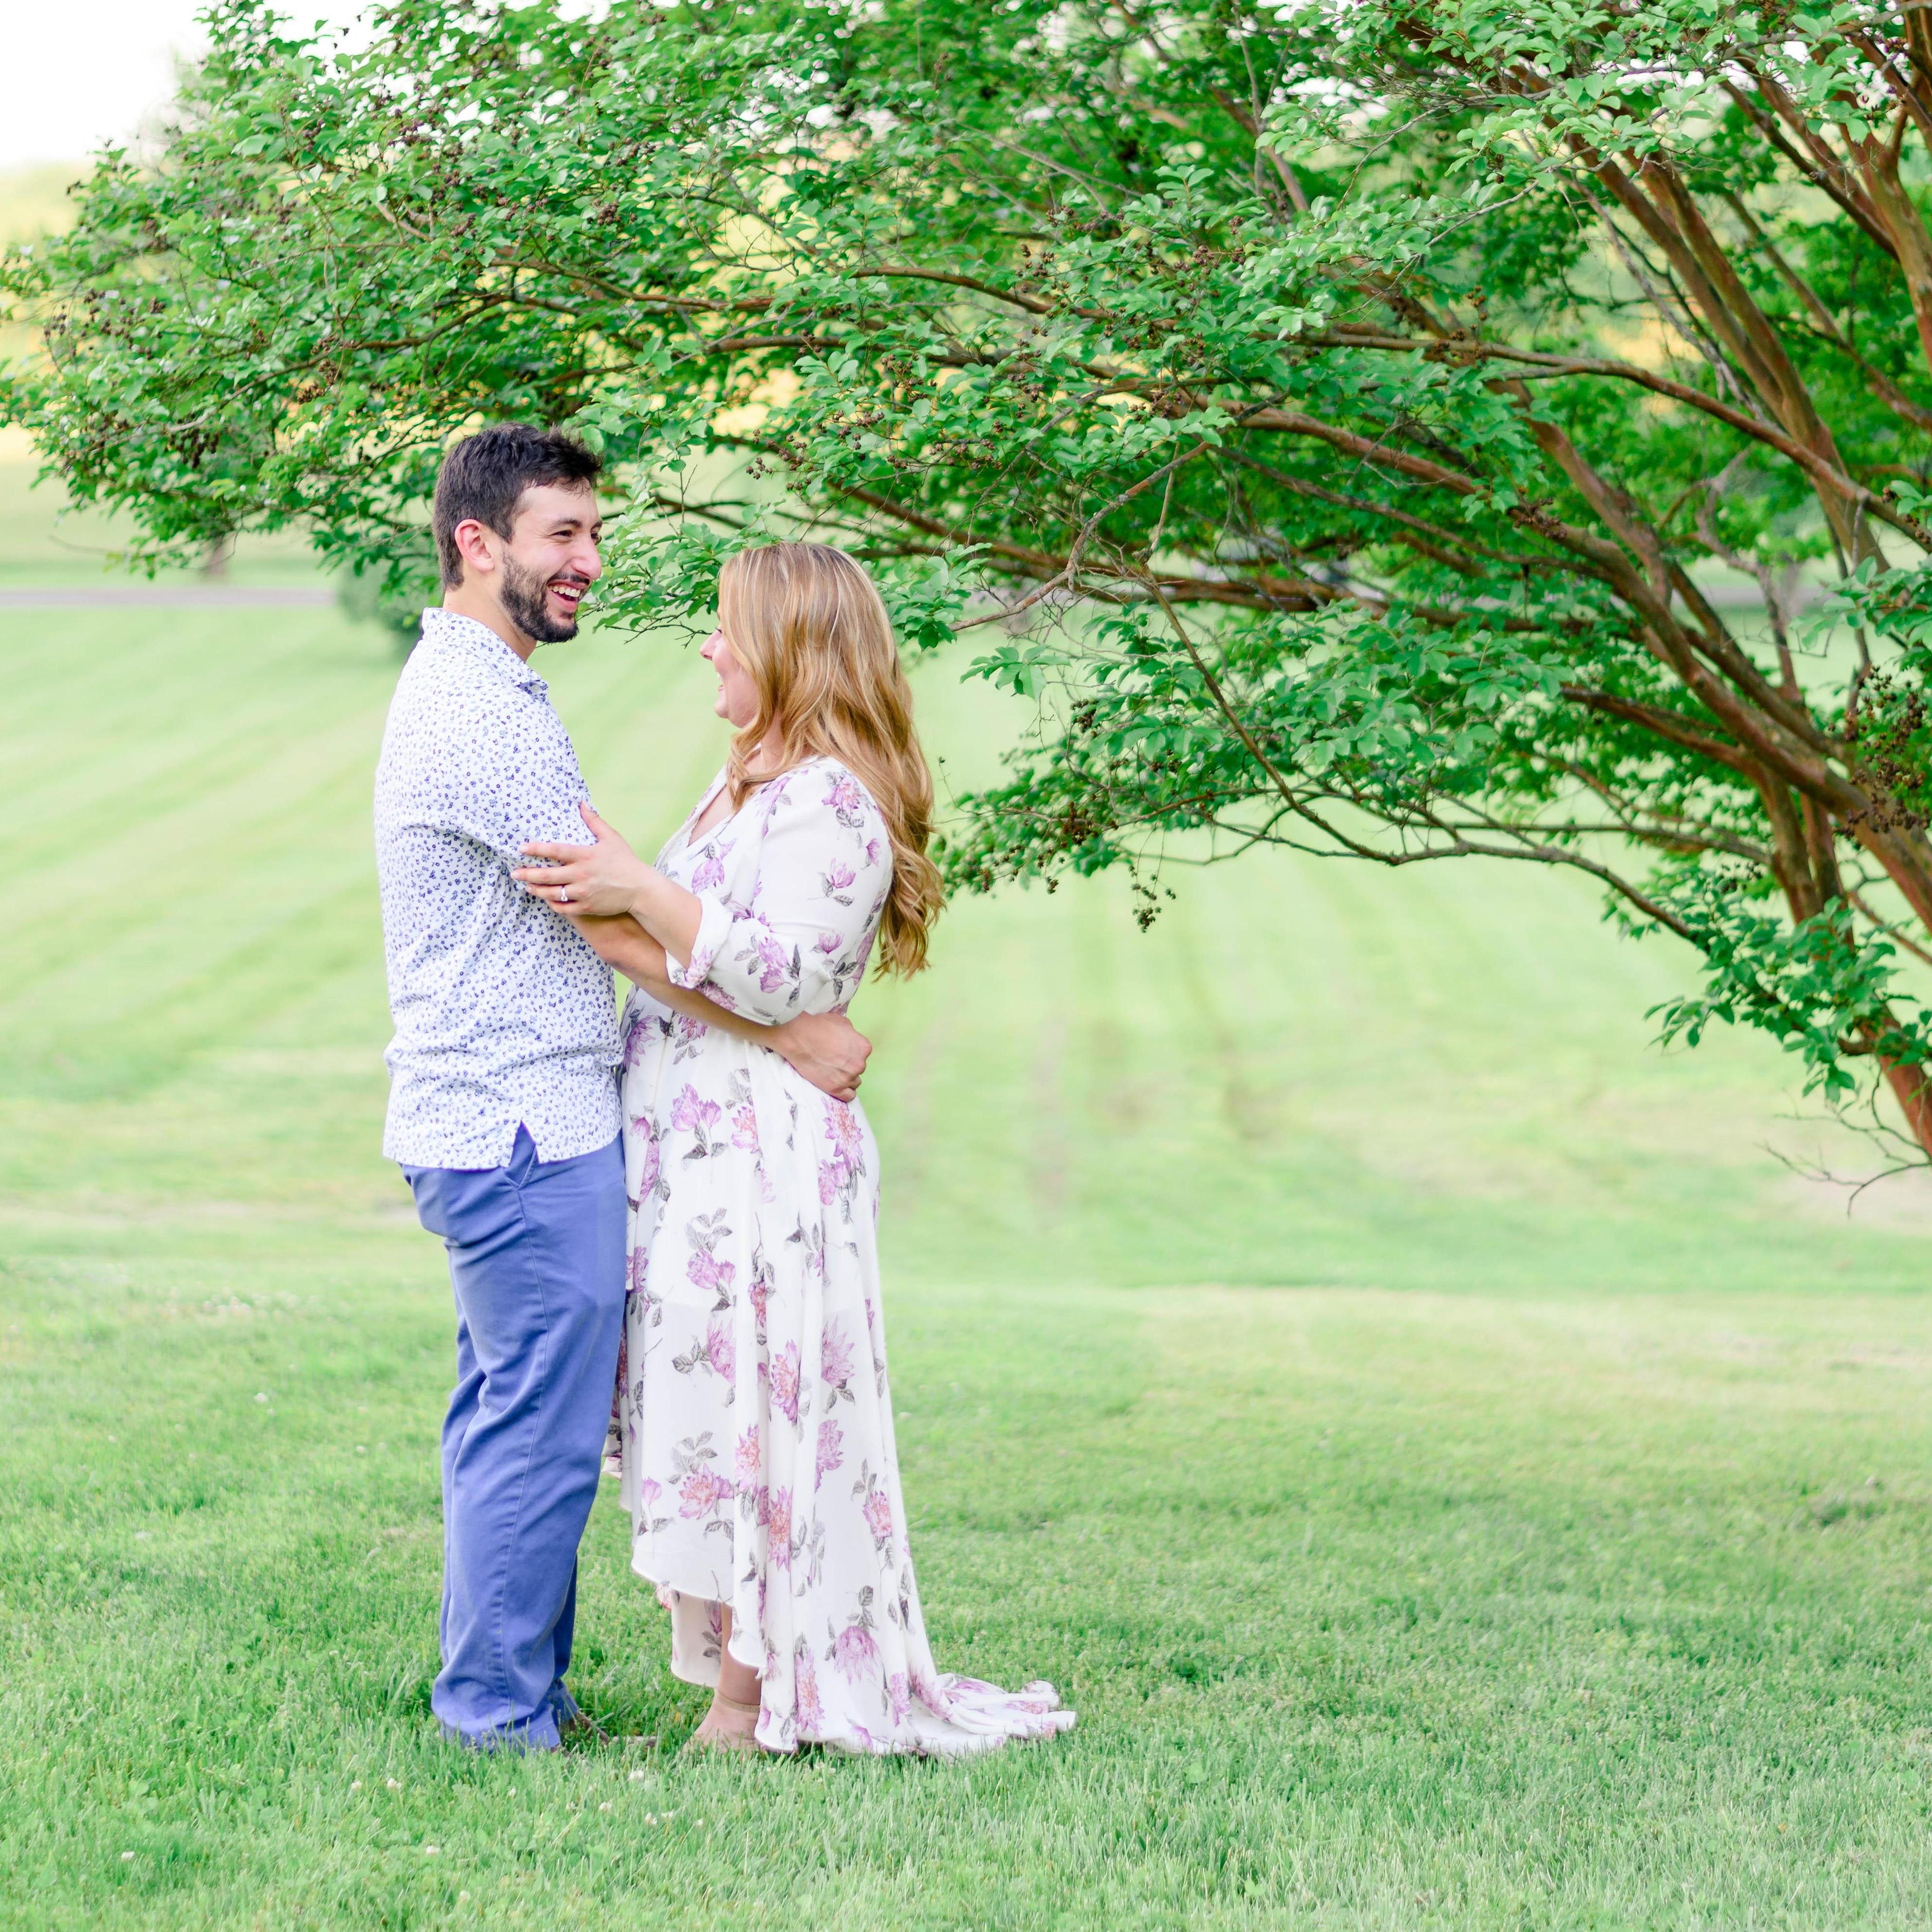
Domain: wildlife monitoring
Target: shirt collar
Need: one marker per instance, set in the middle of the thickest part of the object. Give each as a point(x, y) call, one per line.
point(450, 631)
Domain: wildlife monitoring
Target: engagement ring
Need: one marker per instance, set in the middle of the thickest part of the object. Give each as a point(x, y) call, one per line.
point(563, 896)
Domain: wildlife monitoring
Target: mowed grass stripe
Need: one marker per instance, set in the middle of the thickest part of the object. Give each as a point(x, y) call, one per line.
point(122, 714)
point(1502, 1553)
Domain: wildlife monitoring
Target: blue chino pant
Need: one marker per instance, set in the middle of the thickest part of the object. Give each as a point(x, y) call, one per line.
point(536, 1257)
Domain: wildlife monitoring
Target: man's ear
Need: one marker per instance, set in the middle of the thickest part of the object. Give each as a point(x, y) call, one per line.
point(472, 544)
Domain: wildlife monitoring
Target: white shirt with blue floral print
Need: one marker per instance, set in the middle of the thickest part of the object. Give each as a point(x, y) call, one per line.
point(504, 1016)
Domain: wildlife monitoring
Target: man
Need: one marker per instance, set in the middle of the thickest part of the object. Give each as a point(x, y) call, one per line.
point(503, 1100)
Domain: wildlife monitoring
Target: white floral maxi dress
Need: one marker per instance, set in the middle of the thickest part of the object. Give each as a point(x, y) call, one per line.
point(753, 1425)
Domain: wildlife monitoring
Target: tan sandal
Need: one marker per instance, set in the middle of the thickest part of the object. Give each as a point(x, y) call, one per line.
point(735, 1744)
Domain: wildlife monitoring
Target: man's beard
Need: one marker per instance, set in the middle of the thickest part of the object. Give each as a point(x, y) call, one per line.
point(523, 597)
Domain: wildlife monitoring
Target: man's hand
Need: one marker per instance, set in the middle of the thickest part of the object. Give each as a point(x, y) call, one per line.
point(827, 1049)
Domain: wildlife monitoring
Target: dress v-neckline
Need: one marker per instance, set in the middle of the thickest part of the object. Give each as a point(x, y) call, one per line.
point(704, 804)
point(692, 837)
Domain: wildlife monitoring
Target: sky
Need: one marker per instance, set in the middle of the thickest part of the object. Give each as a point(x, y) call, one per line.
point(81, 72)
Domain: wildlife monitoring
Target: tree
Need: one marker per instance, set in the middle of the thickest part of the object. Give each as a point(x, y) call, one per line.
point(1361, 402)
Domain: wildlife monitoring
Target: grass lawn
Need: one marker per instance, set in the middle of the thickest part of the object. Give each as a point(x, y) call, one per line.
point(1458, 1476)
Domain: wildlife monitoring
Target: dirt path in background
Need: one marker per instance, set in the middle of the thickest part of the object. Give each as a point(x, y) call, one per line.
point(229, 596)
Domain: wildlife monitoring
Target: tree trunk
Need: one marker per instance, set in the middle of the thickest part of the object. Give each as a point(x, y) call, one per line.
point(1913, 1092)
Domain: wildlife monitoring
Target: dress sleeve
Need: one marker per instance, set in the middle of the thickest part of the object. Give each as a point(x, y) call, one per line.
point(799, 944)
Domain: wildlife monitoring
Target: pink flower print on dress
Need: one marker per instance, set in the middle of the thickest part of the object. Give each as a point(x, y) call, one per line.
point(774, 962)
point(829, 944)
point(835, 1361)
point(710, 873)
point(748, 1457)
point(701, 1492)
point(745, 1128)
point(840, 1174)
point(690, 1114)
point(842, 1124)
point(901, 1694)
point(703, 1270)
point(783, 1376)
point(721, 1346)
point(777, 1527)
point(871, 851)
point(636, 1040)
point(879, 1517)
point(831, 1447)
point(805, 1688)
point(854, 1652)
point(836, 882)
point(690, 1111)
point(847, 800)
point(623, 1377)
point(649, 1490)
point(651, 1157)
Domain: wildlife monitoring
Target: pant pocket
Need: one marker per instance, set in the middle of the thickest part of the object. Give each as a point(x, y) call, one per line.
point(468, 1208)
point(428, 1186)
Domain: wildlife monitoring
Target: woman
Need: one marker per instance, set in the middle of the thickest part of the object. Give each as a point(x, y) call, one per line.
point(754, 1423)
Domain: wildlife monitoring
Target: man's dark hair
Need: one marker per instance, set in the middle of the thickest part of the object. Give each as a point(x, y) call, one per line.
point(485, 476)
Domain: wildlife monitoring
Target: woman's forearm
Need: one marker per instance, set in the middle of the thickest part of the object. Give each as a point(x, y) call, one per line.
point(696, 1006)
point(641, 959)
point(824, 1048)
point(670, 914)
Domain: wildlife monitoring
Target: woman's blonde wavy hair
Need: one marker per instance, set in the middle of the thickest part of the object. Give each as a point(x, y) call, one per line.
point(809, 628)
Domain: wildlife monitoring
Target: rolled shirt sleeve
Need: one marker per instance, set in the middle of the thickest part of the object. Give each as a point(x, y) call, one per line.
point(799, 942)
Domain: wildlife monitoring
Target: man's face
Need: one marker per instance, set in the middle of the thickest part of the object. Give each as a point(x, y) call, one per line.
point(549, 560)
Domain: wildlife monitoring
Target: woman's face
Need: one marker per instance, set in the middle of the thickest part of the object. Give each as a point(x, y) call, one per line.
point(737, 699)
